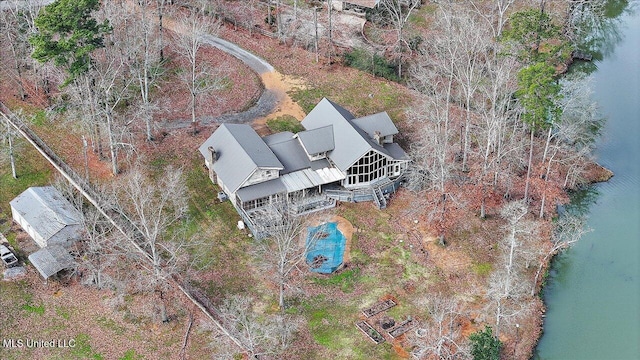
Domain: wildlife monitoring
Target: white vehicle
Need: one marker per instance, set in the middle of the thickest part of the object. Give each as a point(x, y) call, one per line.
point(7, 256)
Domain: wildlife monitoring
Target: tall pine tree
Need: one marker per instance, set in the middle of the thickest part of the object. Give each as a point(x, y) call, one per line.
point(67, 34)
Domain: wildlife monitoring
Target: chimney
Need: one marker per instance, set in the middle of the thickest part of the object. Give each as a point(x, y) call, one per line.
point(214, 154)
point(377, 136)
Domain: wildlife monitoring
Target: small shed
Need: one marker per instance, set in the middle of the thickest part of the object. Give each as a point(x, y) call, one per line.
point(47, 216)
point(51, 260)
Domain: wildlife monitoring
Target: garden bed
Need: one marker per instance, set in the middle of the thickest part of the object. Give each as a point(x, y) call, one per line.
point(370, 332)
point(402, 328)
point(379, 307)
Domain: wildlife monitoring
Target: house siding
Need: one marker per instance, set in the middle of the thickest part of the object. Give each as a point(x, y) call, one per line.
point(261, 175)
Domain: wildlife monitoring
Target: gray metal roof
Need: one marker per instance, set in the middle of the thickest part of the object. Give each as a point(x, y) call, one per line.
point(396, 151)
point(351, 142)
point(51, 260)
point(377, 122)
point(308, 178)
point(319, 164)
point(278, 137)
point(317, 141)
point(240, 152)
point(291, 155)
point(261, 190)
point(47, 211)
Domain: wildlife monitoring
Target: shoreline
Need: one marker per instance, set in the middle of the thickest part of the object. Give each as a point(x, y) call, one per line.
point(596, 174)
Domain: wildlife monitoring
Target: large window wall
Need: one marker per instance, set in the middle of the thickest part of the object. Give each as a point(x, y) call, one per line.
point(371, 167)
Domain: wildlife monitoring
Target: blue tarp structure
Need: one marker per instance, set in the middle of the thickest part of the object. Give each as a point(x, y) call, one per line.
point(325, 248)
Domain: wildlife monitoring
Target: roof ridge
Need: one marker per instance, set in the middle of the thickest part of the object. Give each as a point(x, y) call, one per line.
point(245, 150)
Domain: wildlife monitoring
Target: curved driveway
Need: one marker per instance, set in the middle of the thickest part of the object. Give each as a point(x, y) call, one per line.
point(270, 97)
point(274, 100)
point(258, 64)
point(270, 102)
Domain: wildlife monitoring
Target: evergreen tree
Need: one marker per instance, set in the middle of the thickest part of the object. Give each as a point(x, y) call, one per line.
point(67, 34)
point(539, 93)
point(527, 30)
point(485, 346)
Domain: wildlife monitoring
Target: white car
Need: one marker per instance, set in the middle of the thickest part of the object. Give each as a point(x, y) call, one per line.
point(7, 256)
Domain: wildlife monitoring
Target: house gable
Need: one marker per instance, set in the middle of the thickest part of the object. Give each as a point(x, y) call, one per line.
point(349, 143)
point(317, 142)
point(241, 156)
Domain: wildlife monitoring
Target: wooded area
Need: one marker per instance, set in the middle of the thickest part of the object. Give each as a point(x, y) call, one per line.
point(498, 134)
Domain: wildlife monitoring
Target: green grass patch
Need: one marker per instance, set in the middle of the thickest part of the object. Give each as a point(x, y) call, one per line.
point(318, 321)
point(309, 98)
point(482, 269)
point(359, 93)
point(39, 118)
point(332, 326)
point(63, 313)
point(401, 312)
point(33, 309)
point(357, 255)
point(372, 63)
point(110, 324)
point(131, 355)
point(285, 123)
point(345, 280)
point(12, 296)
point(83, 348)
point(158, 164)
point(32, 170)
point(418, 20)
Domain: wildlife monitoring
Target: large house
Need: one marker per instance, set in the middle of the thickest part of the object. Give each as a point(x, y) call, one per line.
point(336, 158)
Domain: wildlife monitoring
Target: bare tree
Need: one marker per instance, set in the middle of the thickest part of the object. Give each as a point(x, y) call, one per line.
point(398, 12)
point(19, 23)
point(330, 29)
point(435, 77)
point(507, 285)
point(161, 7)
point(111, 84)
point(566, 232)
point(573, 136)
point(82, 105)
point(146, 65)
point(261, 335)
point(497, 111)
point(494, 12)
point(200, 78)
point(440, 338)
point(100, 248)
point(156, 206)
point(476, 48)
point(286, 246)
point(7, 135)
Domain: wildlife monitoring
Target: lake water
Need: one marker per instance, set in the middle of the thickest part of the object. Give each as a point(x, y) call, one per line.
point(593, 296)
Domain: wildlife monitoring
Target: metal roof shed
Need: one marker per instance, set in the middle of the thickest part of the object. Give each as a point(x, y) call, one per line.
point(51, 260)
point(47, 216)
